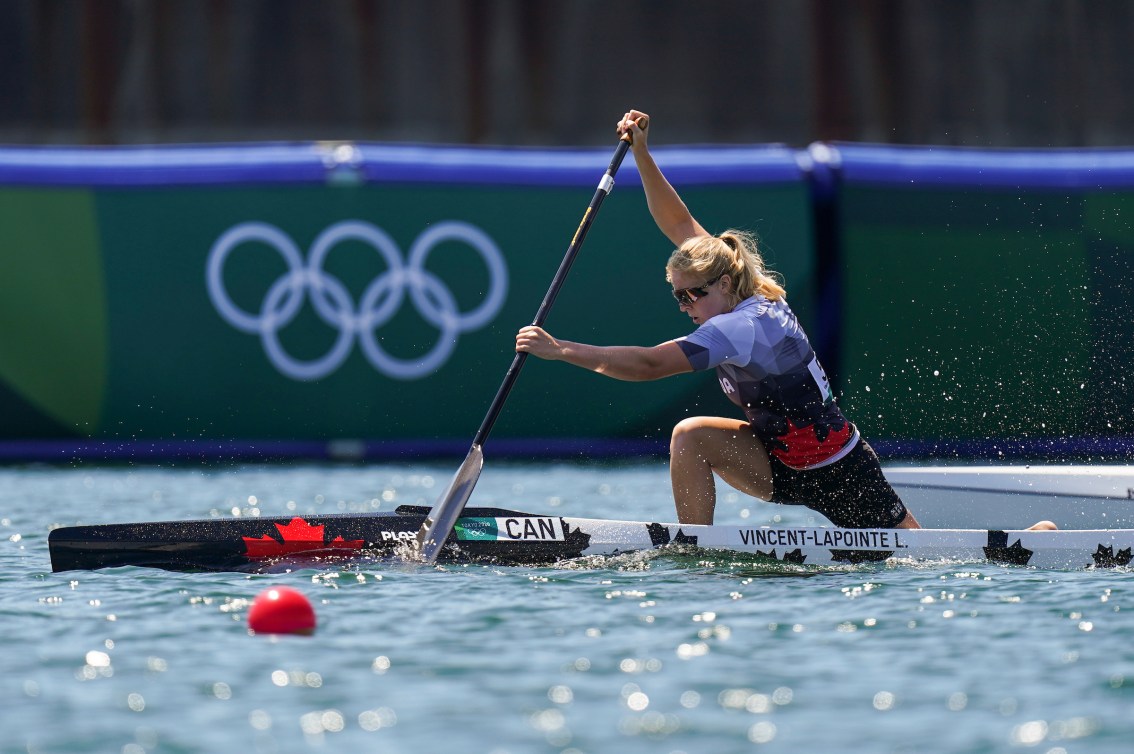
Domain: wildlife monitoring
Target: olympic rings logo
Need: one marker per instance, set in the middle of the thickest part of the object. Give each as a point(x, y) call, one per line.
point(335, 306)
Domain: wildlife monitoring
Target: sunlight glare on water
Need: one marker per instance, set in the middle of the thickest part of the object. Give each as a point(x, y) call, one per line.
point(645, 652)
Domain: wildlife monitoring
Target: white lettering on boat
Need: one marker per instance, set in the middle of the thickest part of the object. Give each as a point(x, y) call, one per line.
point(397, 535)
point(868, 539)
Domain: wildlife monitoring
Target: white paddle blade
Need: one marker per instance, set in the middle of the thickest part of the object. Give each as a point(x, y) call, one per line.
point(445, 512)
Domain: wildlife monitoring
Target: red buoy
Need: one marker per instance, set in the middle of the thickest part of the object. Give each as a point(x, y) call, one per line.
point(281, 610)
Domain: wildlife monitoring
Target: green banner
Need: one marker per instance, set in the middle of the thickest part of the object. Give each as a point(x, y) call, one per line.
point(54, 336)
point(983, 313)
point(382, 311)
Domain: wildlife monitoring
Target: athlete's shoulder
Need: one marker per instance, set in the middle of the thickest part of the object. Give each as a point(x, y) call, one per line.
point(755, 306)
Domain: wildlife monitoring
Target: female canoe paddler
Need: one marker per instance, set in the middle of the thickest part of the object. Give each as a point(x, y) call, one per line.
point(796, 447)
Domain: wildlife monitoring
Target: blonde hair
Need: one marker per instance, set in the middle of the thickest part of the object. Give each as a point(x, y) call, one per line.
point(735, 253)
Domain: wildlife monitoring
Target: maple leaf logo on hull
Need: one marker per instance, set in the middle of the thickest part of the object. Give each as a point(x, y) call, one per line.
point(795, 556)
point(297, 536)
point(659, 535)
point(998, 550)
point(1106, 558)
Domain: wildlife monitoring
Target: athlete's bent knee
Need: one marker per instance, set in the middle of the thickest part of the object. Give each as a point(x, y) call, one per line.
point(684, 429)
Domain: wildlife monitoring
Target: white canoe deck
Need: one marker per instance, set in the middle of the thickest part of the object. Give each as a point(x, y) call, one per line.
point(1067, 549)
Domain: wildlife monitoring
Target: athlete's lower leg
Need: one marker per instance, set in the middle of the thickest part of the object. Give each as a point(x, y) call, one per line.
point(703, 445)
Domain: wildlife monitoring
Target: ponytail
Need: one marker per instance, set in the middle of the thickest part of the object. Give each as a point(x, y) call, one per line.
point(734, 253)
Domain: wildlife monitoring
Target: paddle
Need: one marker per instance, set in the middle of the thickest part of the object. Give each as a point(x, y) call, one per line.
point(443, 516)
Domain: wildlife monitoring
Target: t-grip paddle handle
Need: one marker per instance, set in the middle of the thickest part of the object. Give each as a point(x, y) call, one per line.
point(642, 122)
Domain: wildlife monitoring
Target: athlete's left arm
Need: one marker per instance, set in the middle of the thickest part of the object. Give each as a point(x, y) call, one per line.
point(632, 363)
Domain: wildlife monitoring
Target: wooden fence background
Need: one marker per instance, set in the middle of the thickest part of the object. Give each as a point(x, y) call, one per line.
point(961, 72)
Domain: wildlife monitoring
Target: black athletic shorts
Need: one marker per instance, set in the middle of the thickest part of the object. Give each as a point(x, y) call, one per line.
point(852, 492)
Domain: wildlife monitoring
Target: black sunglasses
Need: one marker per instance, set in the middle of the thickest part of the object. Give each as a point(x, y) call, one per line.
point(689, 296)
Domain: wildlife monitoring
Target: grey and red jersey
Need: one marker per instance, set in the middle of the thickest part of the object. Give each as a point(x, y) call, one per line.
point(767, 367)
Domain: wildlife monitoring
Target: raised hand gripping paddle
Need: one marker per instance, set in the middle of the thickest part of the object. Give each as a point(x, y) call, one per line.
point(445, 512)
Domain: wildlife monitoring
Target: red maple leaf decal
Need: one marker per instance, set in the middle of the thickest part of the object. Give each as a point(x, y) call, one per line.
point(298, 536)
point(802, 446)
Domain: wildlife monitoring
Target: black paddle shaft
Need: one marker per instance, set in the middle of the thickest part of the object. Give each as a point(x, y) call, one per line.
point(604, 187)
point(442, 517)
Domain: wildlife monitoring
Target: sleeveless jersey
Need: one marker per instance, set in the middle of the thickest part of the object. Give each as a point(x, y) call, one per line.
point(767, 367)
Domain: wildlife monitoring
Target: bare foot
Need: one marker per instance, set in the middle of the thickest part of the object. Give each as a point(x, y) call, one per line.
point(1042, 526)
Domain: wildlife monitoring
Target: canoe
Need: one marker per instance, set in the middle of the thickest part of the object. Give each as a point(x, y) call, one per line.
point(510, 537)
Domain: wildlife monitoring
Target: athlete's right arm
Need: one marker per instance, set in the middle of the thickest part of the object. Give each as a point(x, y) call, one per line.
point(668, 210)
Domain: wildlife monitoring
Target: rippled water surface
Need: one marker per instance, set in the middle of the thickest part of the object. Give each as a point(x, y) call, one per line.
point(662, 653)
